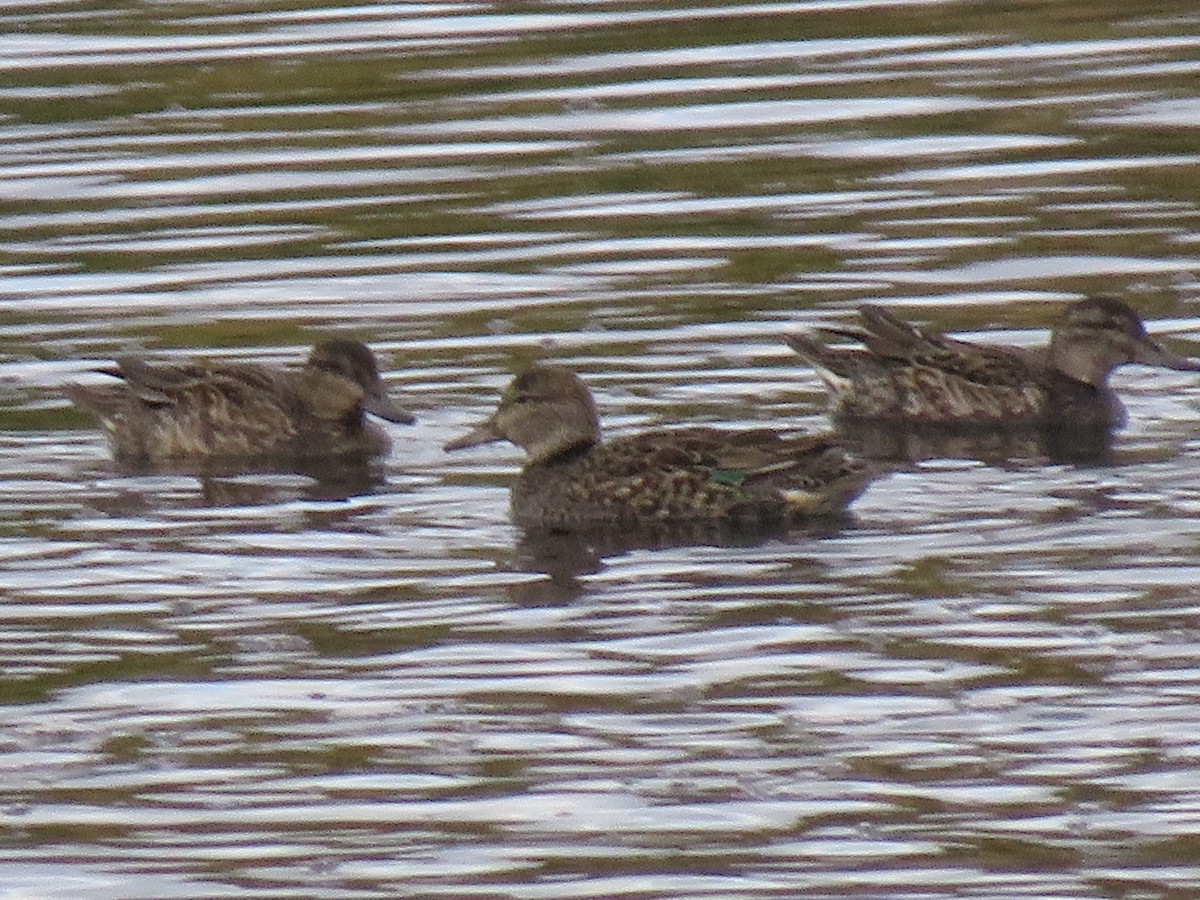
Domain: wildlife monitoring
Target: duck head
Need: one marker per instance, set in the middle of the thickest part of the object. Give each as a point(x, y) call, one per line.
point(546, 411)
point(354, 361)
point(1094, 336)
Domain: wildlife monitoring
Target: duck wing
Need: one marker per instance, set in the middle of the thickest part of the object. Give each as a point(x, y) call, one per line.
point(891, 338)
point(717, 472)
point(893, 345)
point(171, 384)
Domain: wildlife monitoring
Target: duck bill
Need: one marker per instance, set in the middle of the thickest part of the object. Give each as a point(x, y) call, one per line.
point(1151, 353)
point(380, 404)
point(480, 434)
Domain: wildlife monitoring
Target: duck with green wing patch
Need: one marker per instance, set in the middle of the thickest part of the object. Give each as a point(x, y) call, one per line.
point(572, 480)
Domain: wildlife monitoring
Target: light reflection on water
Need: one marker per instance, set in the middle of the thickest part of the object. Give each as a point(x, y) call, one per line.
point(353, 683)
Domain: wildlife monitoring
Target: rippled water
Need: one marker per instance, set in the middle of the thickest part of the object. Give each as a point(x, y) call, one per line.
point(368, 683)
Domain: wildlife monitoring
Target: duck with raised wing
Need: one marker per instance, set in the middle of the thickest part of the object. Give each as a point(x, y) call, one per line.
point(907, 374)
point(755, 478)
point(172, 411)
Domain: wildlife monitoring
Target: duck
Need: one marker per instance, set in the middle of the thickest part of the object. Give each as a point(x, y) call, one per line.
point(573, 479)
point(161, 411)
point(906, 374)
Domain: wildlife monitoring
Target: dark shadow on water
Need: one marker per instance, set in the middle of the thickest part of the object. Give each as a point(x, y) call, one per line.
point(908, 443)
point(260, 482)
point(564, 556)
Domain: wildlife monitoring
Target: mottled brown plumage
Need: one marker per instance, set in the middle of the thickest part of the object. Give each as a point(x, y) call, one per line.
point(910, 375)
point(751, 478)
point(164, 411)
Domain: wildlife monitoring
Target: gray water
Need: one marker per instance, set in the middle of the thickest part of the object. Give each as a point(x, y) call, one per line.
point(290, 685)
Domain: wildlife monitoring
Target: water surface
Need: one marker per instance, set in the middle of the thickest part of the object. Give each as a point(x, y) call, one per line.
point(368, 683)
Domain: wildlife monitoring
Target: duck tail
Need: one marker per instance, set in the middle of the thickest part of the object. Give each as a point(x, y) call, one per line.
point(828, 478)
point(834, 366)
point(105, 401)
point(890, 336)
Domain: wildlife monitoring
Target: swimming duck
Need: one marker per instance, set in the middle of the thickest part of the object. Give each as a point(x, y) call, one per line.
point(907, 374)
point(165, 411)
point(574, 480)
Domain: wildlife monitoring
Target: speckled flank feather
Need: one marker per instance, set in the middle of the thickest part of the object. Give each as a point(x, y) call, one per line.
point(906, 374)
point(752, 478)
point(172, 411)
